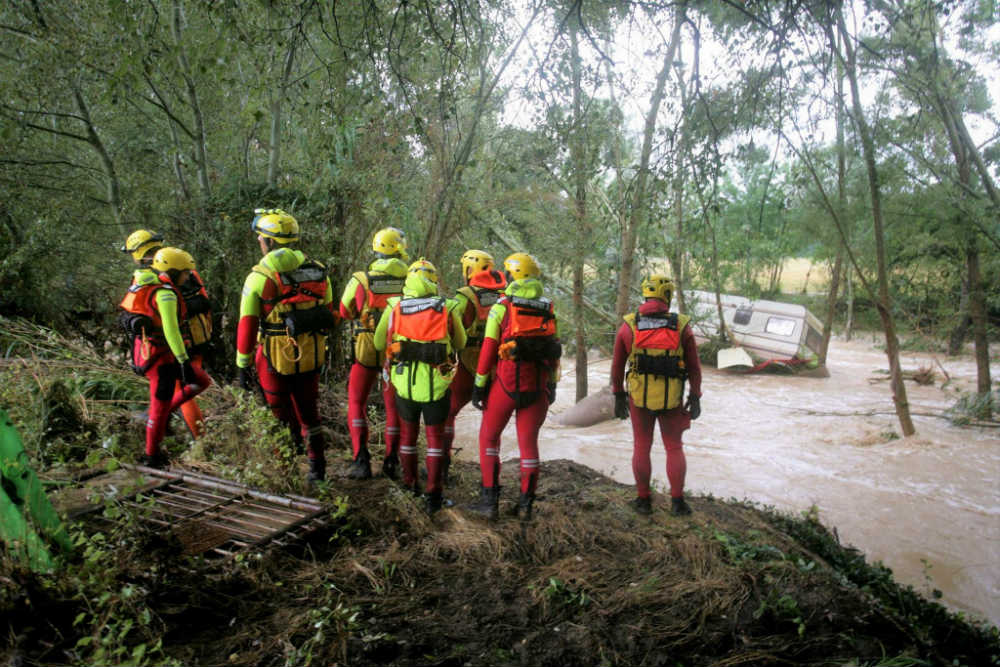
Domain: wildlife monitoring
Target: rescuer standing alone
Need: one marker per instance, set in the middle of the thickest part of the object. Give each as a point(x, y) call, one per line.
point(661, 354)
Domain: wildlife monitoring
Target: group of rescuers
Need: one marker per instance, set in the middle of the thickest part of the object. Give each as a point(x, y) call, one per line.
point(495, 343)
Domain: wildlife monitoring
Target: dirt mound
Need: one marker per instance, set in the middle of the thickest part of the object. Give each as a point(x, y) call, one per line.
point(586, 582)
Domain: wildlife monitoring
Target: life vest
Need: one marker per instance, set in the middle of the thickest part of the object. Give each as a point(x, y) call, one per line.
point(297, 321)
point(142, 318)
point(379, 288)
point(421, 346)
point(198, 324)
point(531, 330)
point(656, 372)
point(482, 299)
point(530, 338)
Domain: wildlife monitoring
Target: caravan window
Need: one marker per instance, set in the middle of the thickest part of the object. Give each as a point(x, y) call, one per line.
point(780, 325)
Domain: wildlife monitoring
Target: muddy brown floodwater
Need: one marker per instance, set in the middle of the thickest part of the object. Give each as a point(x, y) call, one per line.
point(928, 506)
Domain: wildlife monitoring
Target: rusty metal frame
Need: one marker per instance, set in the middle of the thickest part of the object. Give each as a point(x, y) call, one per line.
point(241, 517)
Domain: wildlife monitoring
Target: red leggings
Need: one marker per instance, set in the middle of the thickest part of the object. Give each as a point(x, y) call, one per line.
point(292, 399)
point(673, 423)
point(359, 385)
point(190, 410)
point(434, 413)
point(461, 392)
point(499, 408)
point(166, 394)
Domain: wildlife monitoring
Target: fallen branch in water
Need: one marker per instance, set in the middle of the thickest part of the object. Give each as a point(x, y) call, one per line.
point(923, 375)
point(947, 378)
point(876, 413)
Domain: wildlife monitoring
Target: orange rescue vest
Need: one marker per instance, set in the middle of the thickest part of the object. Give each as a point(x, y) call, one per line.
point(140, 301)
point(422, 324)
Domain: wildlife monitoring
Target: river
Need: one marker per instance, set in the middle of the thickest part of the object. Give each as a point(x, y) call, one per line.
point(928, 506)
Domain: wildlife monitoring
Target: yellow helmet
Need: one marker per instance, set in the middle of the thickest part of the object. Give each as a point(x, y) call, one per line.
point(658, 286)
point(273, 223)
point(167, 259)
point(474, 261)
point(390, 242)
point(521, 265)
point(140, 242)
point(425, 269)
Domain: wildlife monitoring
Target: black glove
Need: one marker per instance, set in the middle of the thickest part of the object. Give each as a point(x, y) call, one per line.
point(621, 405)
point(244, 379)
point(479, 396)
point(552, 392)
point(694, 406)
point(187, 374)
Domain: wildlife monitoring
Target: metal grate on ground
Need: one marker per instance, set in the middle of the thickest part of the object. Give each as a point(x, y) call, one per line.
point(219, 518)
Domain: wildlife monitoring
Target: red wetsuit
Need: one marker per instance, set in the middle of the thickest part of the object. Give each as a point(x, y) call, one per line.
point(518, 387)
point(672, 422)
point(292, 398)
point(359, 386)
point(160, 357)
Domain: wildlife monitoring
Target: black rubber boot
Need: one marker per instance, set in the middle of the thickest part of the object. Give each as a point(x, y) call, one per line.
point(390, 466)
point(159, 460)
point(524, 504)
point(433, 502)
point(489, 503)
point(445, 467)
point(317, 471)
point(679, 507)
point(362, 466)
point(642, 505)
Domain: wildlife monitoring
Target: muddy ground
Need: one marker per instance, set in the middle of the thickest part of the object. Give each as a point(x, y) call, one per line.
point(586, 582)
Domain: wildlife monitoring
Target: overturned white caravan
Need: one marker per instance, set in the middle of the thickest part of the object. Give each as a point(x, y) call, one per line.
point(766, 333)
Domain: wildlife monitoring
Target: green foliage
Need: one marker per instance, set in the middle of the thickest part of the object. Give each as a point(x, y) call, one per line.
point(329, 626)
point(973, 406)
point(560, 594)
point(752, 548)
point(116, 624)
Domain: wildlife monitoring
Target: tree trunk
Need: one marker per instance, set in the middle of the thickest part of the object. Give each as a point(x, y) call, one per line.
point(677, 248)
point(956, 340)
point(638, 214)
point(274, 147)
point(110, 173)
point(831, 304)
point(838, 264)
point(582, 237)
point(849, 315)
point(966, 154)
point(200, 141)
point(977, 308)
point(884, 303)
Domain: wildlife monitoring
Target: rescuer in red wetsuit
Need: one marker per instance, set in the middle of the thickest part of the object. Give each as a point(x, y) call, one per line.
point(420, 334)
point(286, 313)
point(483, 288)
point(141, 245)
point(153, 316)
point(364, 299)
point(662, 354)
point(522, 340)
